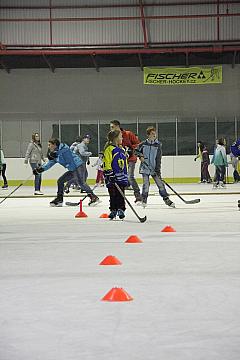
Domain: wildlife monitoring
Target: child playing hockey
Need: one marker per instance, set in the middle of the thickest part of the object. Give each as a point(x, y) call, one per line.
point(61, 153)
point(115, 171)
point(150, 154)
point(99, 165)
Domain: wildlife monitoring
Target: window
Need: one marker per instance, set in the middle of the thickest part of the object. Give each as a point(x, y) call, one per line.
point(186, 136)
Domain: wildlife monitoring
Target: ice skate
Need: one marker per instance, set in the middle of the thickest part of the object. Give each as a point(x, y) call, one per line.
point(57, 202)
point(112, 214)
point(215, 185)
point(169, 203)
point(94, 200)
point(5, 187)
point(121, 214)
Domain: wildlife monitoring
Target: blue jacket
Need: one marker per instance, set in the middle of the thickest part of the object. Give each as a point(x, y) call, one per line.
point(152, 153)
point(66, 158)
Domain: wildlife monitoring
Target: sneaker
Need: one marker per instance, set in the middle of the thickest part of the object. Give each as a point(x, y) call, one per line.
point(168, 202)
point(144, 204)
point(5, 187)
point(112, 214)
point(94, 200)
point(222, 185)
point(57, 202)
point(121, 214)
point(38, 193)
point(215, 185)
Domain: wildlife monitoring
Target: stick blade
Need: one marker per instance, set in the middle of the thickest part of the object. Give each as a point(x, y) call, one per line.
point(195, 201)
point(142, 220)
point(68, 203)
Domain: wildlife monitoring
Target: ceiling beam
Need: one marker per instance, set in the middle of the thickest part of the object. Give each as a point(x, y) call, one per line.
point(49, 64)
point(140, 61)
point(93, 57)
point(160, 50)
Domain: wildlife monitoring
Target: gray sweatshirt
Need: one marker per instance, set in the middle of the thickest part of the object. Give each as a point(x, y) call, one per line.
point(34, 154)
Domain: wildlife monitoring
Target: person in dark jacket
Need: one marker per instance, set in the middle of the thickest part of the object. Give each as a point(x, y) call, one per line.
point(150, 154)
point(61, 153)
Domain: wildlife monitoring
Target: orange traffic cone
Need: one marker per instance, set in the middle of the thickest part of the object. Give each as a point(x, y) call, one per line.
point(133, 239)
point(117, 294)
point(104, 216)
point(81, 213)
point(110, 260)
point(168, 229)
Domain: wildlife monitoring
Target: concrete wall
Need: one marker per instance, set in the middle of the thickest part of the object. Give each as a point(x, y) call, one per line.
point(76, 93)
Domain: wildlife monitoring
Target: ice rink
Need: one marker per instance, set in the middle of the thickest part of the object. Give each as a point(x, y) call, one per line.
point(185, 285)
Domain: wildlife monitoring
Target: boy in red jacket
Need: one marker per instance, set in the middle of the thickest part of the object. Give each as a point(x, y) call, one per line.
point(130, 141)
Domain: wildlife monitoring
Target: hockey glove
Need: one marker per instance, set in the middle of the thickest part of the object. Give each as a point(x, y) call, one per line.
point(38, 170)
point(110, 177)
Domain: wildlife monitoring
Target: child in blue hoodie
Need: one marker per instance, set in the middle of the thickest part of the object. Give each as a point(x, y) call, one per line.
point(61, 153)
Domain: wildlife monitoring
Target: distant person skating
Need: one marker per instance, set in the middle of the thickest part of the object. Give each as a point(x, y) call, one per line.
point(99, 165)
point(220, 161)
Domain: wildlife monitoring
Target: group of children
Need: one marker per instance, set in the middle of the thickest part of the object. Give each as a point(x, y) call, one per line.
point(219, 160)
point(113, 164)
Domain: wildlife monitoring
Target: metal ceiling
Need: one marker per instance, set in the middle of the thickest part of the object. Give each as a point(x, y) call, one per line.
point(67, 34)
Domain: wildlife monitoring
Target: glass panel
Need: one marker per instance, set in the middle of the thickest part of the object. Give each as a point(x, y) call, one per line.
point(103, 129)
point(238, 127)
point(91, 129)
point(206, 133)
point(167, 136)
point(11, 138)
point(49, 129)
point(226, 130)
point(29, 127)
point(142, 128)
point(186, 136)
point(69, 132)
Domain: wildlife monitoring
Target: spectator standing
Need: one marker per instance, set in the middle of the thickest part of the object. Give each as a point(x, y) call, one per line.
point(3, 167)
point(34, 156)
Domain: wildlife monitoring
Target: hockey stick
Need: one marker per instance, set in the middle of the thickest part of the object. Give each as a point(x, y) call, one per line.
point(194, 201)
point(142, 220)
point(69, 203)
point(16, 189)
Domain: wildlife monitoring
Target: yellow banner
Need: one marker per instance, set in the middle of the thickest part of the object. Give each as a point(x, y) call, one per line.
point(183, 76)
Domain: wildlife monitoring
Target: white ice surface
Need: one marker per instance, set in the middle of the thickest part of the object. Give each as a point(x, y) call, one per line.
point(185, 285)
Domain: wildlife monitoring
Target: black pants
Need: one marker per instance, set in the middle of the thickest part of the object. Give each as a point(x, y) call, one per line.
point(77, 175)
point(2, 172)
point(116, 199)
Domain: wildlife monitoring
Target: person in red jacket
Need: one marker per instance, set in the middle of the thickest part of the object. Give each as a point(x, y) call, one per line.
point(130, 142)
